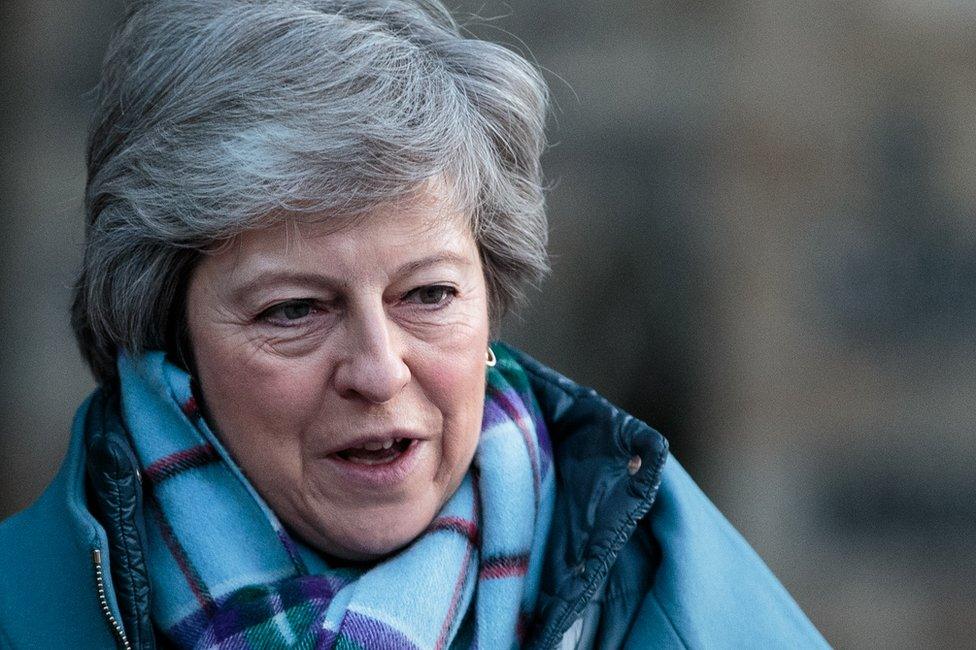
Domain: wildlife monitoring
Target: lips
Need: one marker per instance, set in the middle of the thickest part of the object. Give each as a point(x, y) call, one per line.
point(377, 464)
point(376, 453)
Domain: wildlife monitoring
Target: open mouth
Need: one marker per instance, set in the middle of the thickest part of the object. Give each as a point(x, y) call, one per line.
point(376, 453)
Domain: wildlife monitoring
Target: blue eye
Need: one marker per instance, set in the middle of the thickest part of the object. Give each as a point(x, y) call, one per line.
point(287, 313)
point(295, 310)
point(434, 294)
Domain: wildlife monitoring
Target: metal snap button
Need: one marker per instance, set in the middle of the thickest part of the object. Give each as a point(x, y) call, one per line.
point(633, 464)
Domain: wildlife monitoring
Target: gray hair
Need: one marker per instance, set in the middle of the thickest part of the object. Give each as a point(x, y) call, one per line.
point(215, 117)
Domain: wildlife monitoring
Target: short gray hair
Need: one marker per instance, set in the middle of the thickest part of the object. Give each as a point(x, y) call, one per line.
point(215, 117)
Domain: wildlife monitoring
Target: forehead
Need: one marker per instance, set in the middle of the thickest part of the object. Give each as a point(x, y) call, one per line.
point(391, 233)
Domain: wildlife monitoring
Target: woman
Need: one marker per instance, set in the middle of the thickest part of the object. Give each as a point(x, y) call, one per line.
point(305, 220)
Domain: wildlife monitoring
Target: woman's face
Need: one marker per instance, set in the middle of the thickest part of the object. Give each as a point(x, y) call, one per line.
point(343, 365)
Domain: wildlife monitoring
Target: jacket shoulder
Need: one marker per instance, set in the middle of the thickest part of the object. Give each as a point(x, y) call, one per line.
point(711, 589)
point(48, 593)
point(686, 577)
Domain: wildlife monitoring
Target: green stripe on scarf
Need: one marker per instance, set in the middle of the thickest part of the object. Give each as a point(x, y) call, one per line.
point(251, 585)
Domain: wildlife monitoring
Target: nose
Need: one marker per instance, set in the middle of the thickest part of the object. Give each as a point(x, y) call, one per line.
point(372, 368)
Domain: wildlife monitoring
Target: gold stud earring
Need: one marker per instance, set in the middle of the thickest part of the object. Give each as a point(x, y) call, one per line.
point(490, 359)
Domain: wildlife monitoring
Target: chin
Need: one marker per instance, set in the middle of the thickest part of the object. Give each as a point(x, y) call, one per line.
point(371, 551)
point(373, 535)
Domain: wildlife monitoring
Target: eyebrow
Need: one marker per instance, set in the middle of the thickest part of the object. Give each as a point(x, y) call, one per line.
point(319, 280)
point(431, 260)
point(240, 293)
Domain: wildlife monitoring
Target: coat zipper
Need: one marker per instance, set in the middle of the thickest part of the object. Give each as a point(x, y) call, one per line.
point(103, 601)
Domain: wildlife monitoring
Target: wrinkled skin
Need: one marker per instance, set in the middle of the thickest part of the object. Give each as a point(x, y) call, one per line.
point(308, 338)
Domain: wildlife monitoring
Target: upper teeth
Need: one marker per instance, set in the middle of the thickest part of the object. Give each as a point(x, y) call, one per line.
point(376, 446)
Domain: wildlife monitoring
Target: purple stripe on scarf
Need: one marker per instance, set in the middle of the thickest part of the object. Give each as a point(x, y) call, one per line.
point(252, 607)
point(292, 550)
point(255, 605)
point(504, 566)
point(180, 461)
point(474, 541)
point(456, 524)
point(325, 639)
point(370, 633)
point(179, 554)
point(511, 408)
point(455, 598)
point(493, 415)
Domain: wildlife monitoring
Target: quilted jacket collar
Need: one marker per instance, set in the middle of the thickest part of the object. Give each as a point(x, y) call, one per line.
point(609, 466)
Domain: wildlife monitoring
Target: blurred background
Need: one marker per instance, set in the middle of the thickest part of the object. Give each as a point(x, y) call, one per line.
point(763, 245)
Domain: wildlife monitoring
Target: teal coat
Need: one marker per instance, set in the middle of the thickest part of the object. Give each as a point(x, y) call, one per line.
point(638, 556)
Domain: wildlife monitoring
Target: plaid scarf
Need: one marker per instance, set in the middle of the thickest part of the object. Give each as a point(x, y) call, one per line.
point(226, 574)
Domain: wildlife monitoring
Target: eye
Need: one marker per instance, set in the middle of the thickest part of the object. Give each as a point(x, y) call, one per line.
point(288, 313)
point(432, 294)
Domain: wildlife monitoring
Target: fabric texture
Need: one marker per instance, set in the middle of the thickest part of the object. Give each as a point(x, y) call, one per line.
point(225, 572)
point(647, 551)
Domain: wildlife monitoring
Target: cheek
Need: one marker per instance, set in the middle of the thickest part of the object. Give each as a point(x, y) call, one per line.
point(461, 387)
point(235, 370)
point(252, 400)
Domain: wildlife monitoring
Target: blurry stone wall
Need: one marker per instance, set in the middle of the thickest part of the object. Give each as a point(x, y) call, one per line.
point(763, 243)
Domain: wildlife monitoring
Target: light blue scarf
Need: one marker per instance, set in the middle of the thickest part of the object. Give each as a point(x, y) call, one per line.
point(226, 574)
